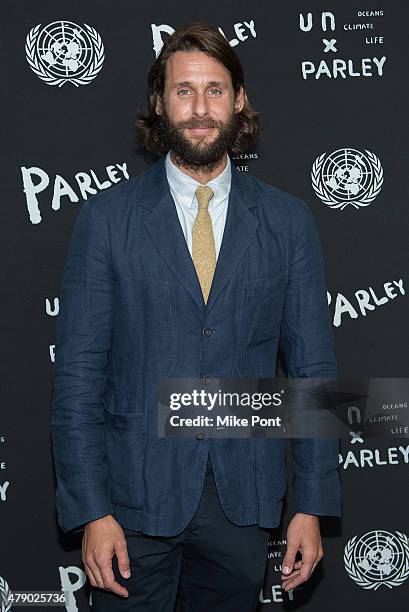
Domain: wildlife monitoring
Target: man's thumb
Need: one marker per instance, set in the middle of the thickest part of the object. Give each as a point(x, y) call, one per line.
point(123, 563)
point(124, 569)
point(289, 559)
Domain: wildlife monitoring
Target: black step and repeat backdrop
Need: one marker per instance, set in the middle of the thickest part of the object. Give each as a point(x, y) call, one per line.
point(330, 82)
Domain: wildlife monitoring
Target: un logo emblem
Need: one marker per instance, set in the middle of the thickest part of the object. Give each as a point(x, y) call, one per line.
point(378, 558)
point(347, 176)
point(5, 594)
point(63, 52)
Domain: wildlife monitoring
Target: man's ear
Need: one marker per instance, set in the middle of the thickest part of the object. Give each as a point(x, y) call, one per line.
point(239, 100)
point(158, 107)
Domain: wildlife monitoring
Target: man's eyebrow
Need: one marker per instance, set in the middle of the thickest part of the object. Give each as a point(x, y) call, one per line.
point(210, 84)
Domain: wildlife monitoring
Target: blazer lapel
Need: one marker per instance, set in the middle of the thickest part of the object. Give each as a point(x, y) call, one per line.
point(166, 233)
point(164, 228)
point(239, 230)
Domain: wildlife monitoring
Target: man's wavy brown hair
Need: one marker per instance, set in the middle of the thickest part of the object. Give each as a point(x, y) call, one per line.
point(199, 37)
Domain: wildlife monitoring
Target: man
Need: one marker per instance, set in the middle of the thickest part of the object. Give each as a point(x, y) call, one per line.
point(191, 269)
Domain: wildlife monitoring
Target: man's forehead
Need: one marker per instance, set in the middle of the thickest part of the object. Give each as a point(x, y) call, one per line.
point(185, 67)
point(204, 80)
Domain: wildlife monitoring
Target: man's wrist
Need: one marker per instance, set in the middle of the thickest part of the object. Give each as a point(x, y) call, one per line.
point(100, 518)
point(304, 514)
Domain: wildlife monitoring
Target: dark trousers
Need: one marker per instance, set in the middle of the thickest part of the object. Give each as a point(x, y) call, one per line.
point(212, 565)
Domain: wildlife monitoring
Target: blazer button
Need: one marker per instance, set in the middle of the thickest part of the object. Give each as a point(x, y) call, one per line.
point(199, 435)
point(207, 332)
point(207, 380)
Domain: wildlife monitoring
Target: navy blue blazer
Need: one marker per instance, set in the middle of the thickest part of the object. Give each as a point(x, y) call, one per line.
point(132, 312)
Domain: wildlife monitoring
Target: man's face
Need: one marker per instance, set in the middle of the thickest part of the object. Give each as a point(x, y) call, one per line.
point(199, 111)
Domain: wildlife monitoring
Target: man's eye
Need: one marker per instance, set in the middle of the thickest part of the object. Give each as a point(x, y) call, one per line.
point(183, 91)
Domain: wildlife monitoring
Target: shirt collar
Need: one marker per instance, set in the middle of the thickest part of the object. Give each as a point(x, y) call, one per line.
point(184, 186)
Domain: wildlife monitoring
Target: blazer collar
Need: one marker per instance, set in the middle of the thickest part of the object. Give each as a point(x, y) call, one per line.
point(184, 186)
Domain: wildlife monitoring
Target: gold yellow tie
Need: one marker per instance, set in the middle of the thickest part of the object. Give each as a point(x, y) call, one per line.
point(203, 246)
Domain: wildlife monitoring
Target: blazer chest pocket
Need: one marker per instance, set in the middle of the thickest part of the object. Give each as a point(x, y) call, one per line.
point(261, 319)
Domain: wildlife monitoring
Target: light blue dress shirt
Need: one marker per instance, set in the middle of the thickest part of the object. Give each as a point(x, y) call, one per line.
point(183, 188)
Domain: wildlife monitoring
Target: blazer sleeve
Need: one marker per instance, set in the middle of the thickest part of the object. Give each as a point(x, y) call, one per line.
point(83, 339)
point(307, 344)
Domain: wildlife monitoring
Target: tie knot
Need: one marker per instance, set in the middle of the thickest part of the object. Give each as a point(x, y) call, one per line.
point(204, 193)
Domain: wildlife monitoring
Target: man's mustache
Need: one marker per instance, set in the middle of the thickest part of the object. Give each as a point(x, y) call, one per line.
point(197, 125)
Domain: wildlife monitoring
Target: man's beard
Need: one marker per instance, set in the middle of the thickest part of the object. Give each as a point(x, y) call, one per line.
point(202, 155)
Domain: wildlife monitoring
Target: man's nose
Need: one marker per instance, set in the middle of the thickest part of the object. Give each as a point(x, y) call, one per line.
point(200, 107)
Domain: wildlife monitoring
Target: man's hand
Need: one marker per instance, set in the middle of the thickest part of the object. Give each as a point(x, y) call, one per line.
point(303, 534)
point(102, 539)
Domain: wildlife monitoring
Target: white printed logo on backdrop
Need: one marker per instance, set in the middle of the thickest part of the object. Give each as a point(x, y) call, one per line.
point(5, 594)
point(347, 176)
point(241, 32)
point(64, 52)
point(378, 558)
point(332, 67)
